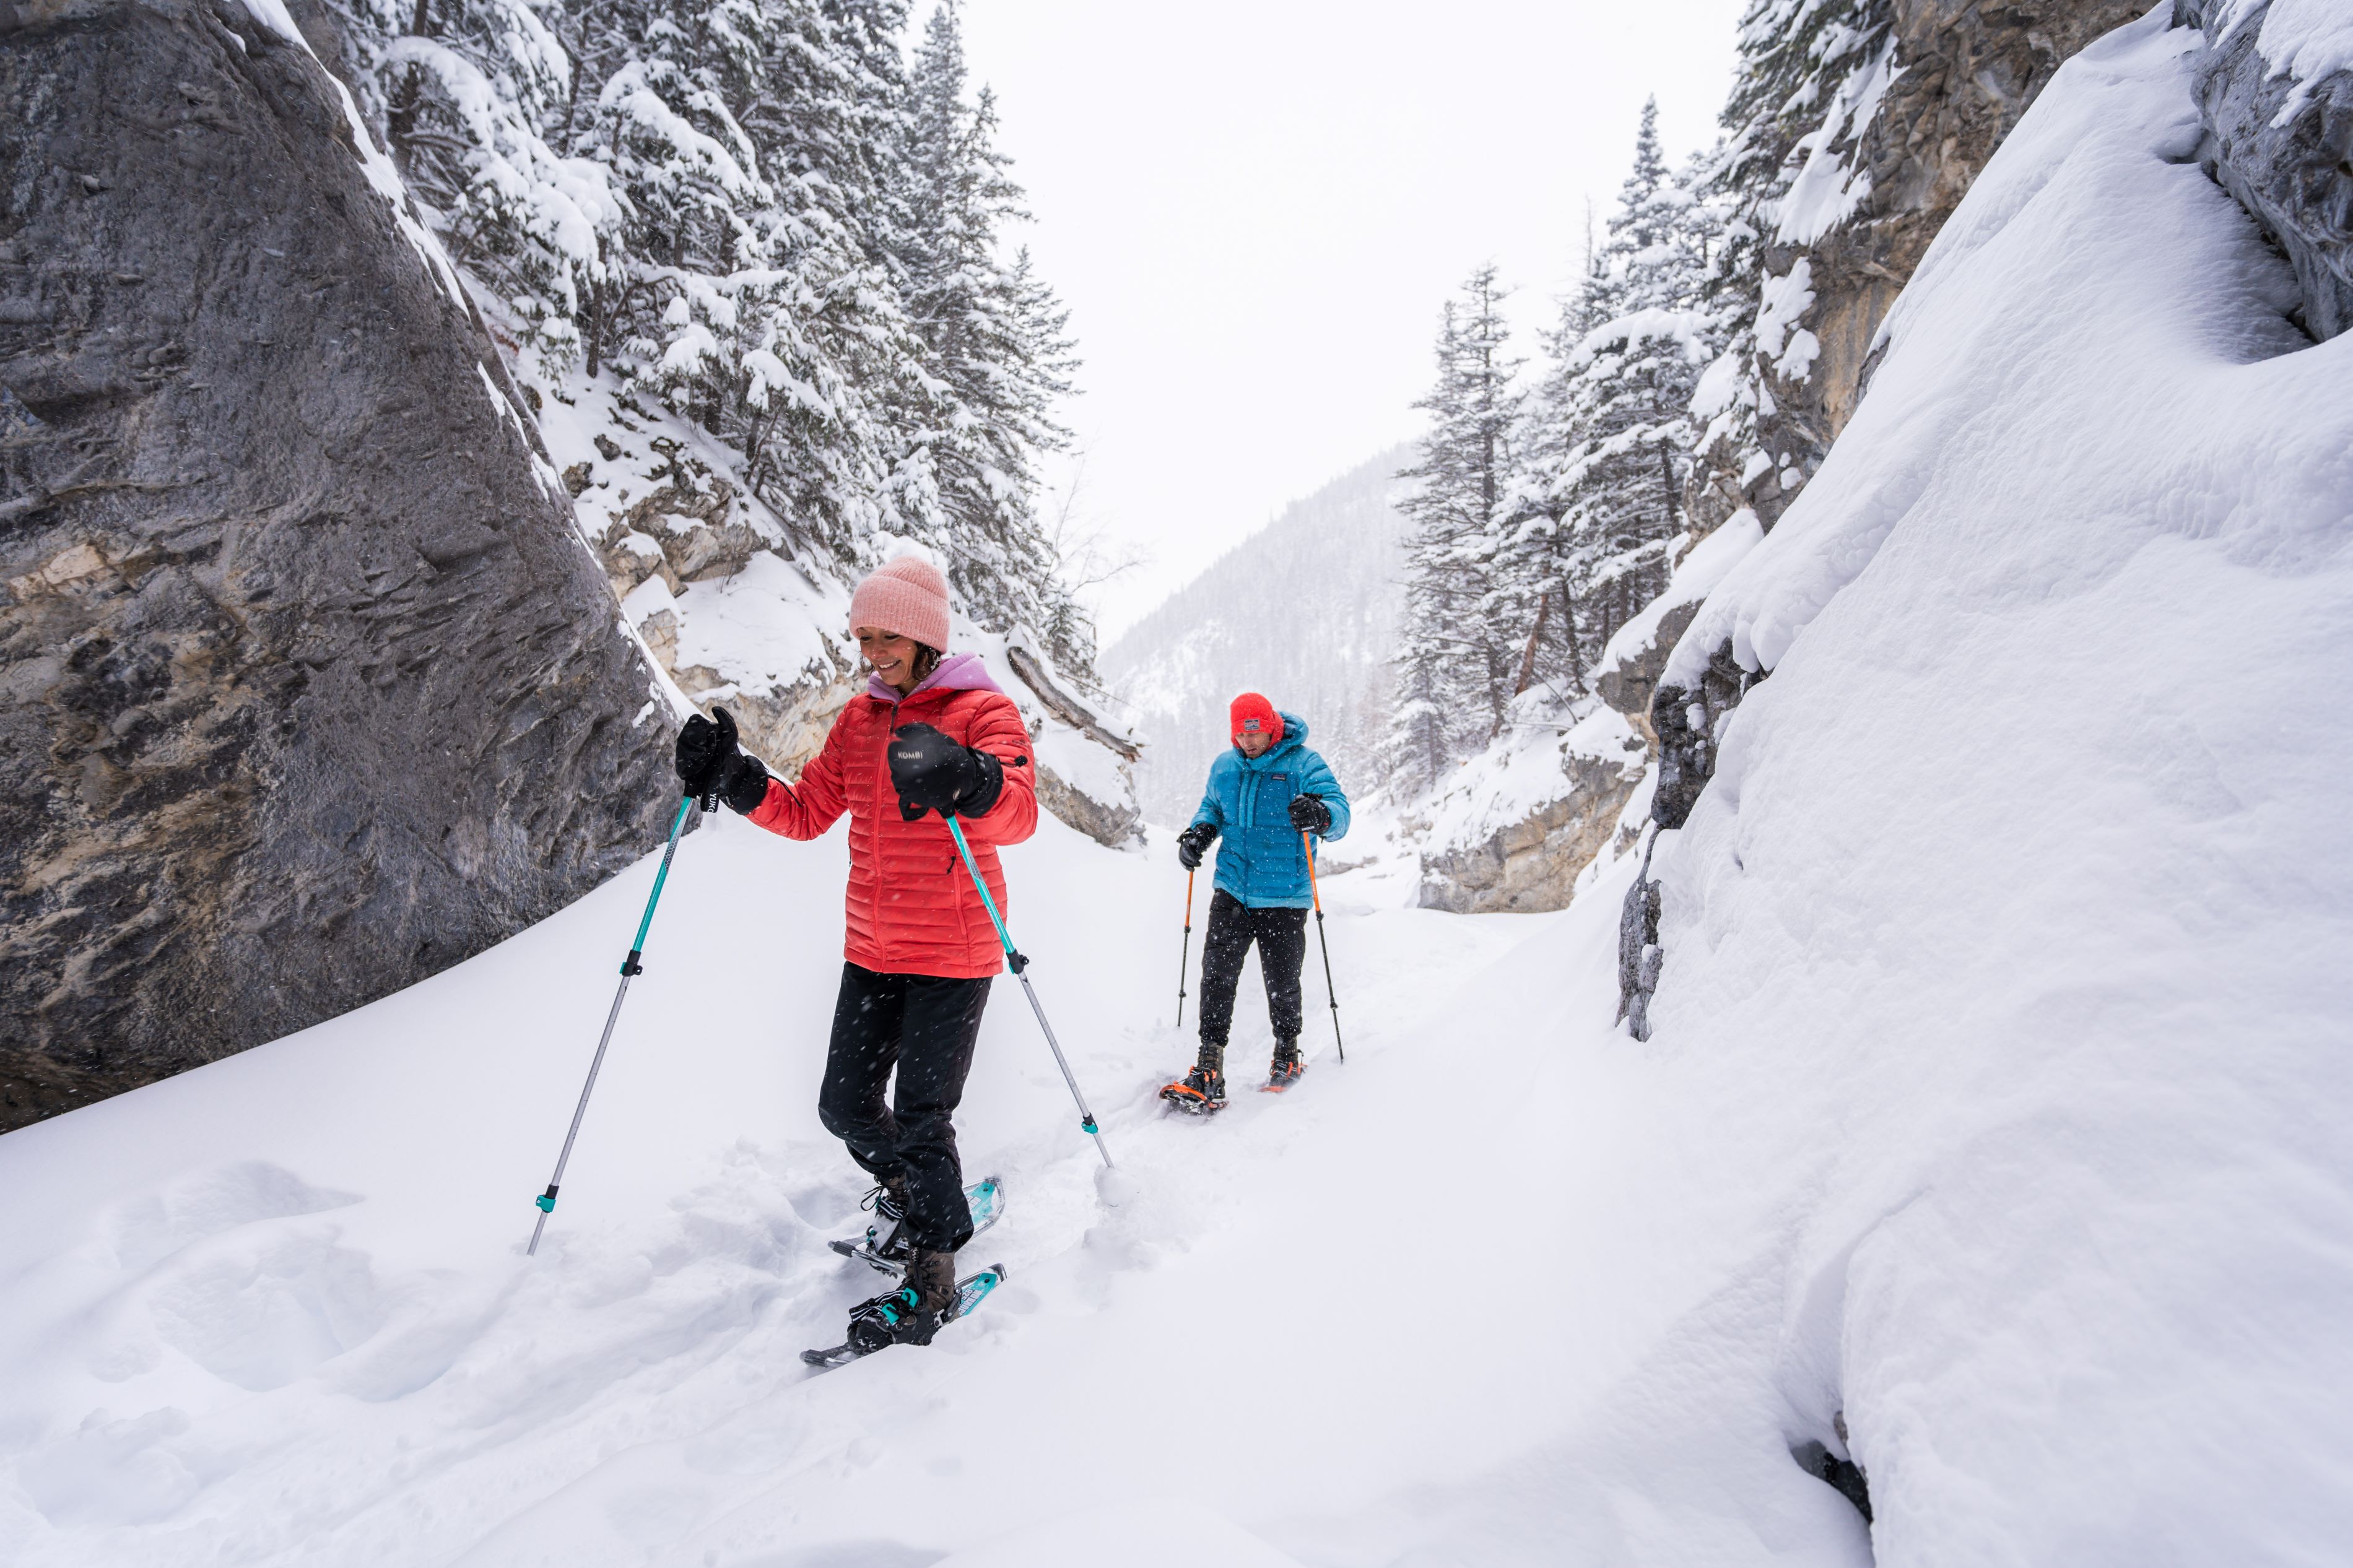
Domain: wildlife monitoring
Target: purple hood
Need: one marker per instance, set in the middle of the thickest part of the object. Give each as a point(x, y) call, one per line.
point(956, 672)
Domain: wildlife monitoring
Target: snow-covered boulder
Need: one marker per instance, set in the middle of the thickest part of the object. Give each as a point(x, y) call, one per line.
point(1628, 674)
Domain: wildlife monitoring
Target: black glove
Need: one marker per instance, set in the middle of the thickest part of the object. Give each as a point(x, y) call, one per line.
point(931, 772)
point(710, 766)
point(744, 782)
point(704, 750)
point(1309, 814)
point(1194, 843)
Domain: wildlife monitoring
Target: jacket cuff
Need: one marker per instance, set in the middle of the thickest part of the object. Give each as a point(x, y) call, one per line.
point(746, 788)
point(982, 801)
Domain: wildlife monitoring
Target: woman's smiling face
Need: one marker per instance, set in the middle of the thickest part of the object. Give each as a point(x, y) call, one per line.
point(891, 656)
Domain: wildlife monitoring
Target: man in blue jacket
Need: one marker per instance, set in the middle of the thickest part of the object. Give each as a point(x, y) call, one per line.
point(1265, 795)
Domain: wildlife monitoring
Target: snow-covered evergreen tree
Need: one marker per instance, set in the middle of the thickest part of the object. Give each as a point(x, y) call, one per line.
point(1621, 391)
point(995, 359)
point(1803, 64)
point(1454, 663)
point(1605, 442)
point(756, 212)
point(469, 94)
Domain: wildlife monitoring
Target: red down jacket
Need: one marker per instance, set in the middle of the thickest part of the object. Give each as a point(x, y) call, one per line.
point(911, 907)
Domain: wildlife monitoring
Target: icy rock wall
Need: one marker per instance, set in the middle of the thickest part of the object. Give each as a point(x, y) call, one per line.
point(308, 688)
point(1897, 149)
point(2276, 94)
point(1863, 210)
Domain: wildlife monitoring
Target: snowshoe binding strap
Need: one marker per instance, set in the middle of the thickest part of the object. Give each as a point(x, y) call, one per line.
point(1200, 1091)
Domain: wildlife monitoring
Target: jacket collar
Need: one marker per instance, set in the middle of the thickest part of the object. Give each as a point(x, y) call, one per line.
point(956, 672)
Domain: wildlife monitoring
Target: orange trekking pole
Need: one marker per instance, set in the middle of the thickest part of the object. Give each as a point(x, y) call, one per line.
point(1185, 959)
point(1308, 840)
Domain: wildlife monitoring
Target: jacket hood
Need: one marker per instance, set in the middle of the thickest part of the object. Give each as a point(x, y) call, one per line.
point(956, 672)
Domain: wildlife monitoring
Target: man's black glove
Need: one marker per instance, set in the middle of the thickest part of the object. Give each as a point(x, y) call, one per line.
point(931, 772)
point(1194, 843)
point(1309, 814)
point(710, 766)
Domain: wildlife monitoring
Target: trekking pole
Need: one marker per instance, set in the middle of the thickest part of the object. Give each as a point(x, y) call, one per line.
point(1308, 840)
point(630, 969)
point(1184, 958)
point(1020, 972)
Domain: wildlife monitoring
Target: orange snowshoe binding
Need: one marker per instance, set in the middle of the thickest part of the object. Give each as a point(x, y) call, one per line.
point(1203, 1089)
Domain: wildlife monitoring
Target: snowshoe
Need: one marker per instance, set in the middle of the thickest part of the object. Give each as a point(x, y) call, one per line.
point(883, 1248)
point(889, 1319)
point(1200, 1092)
point(1285, 1069)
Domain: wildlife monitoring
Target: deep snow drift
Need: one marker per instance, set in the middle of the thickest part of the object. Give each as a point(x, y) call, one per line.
point(1995, 1102)
point(2008, 949)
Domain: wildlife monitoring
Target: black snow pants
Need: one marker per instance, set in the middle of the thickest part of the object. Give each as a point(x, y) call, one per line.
point(1282, 937)
point(926, 1028)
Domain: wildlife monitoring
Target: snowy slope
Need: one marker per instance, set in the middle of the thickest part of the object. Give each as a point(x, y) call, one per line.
point(2022, 885)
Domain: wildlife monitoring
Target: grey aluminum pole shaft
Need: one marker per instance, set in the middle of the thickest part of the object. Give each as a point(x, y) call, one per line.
point(630, 969)
point(1185, 953)
point(579, 1111)
point(1020, 966)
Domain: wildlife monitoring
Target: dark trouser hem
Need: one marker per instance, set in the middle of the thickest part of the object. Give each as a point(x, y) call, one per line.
point(926, 1028)
point(1282, 939)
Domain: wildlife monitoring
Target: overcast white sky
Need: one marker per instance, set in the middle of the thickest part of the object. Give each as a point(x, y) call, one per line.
point(1255, 209)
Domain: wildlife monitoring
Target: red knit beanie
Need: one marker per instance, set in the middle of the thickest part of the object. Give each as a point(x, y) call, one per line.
point(1254, 714)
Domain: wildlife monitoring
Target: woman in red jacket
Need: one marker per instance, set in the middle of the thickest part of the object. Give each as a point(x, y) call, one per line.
point(931, 733)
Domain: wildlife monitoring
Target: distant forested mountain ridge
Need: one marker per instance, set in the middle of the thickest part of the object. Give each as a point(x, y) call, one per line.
point(1305, 610)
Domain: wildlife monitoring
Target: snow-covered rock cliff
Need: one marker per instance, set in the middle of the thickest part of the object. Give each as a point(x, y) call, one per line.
point(2028, 857)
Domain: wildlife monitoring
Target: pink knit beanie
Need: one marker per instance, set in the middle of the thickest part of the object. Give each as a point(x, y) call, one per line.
point(908, 597)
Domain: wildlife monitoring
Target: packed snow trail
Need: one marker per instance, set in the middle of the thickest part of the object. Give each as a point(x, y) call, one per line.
point(276, 1310)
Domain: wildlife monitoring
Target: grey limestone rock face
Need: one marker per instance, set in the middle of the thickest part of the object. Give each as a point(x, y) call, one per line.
point(2283, 147)
point(1533, 865)
point(308, 688)
point(1969, 72)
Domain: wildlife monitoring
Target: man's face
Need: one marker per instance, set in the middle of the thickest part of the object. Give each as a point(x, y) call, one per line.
point(1253, 742)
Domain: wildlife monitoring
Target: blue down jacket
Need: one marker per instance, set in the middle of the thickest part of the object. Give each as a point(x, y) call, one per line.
point(1261, 861)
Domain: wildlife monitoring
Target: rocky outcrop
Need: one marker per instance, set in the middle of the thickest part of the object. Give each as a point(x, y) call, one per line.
point(1960, 75)
point(1956, 79)
point(1532, 864)
point(2277, 102)
point(2279, 138)
point(308, 689)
